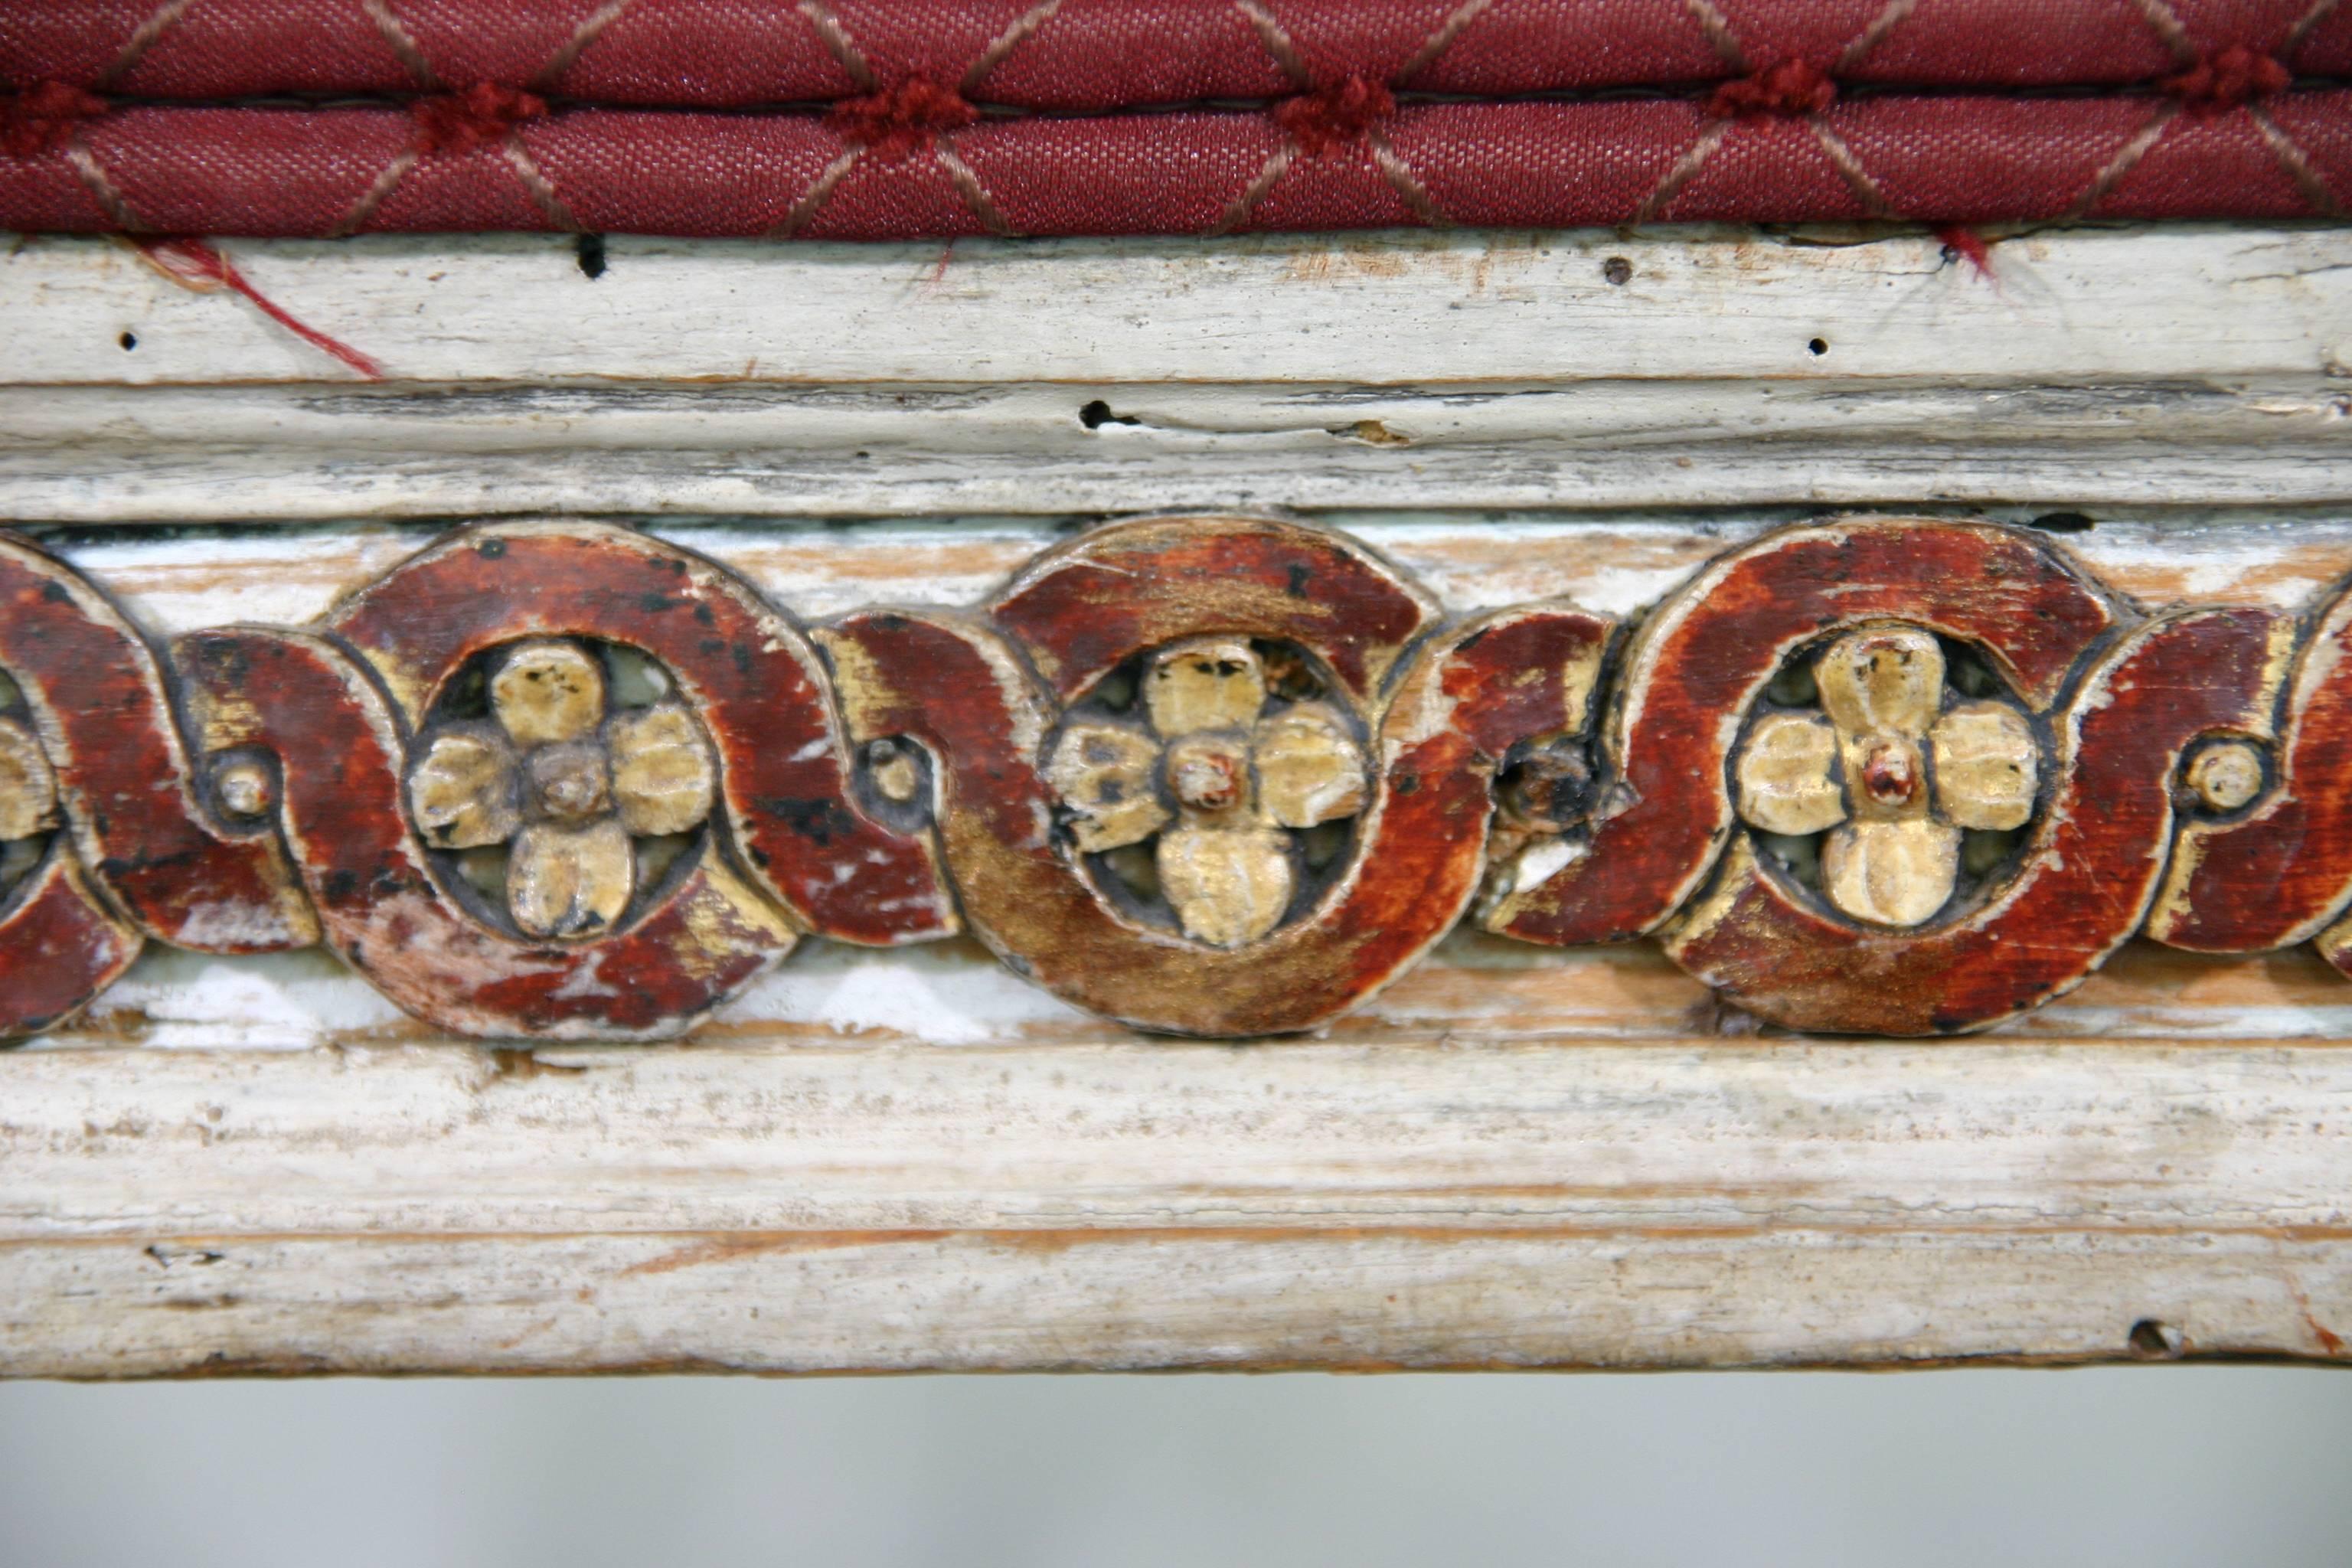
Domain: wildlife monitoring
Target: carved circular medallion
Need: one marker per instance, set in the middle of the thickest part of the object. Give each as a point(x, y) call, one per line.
point(1807, 736)
point(589, 786)
point(1213, 775)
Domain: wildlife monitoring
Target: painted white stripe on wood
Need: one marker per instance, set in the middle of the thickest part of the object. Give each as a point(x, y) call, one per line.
point(1127, 1204)
point(2081, 305)
point(1468, 370)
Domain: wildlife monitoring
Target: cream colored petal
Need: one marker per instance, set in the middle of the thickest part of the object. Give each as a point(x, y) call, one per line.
point(1105, 774)
point(1209, 683)
point(463, 792)
point(1891, 873)
point(1786, 785)
point(663, 775)
point(28, 787)
point(1309, 768)
point(1987, 765)
point(547, 691)
point(1886, 681)
point(567, 880)
point(1229, 884)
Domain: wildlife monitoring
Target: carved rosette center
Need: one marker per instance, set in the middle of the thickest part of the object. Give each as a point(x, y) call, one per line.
point(570, 782)
point(1236, 754)
point(1887, 767)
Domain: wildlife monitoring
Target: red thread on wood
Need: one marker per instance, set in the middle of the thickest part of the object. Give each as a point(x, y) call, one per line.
point(193, 264)
point(43, 118)
point(1790, 89)
point(2229, 80)
point(482, 114)
point(902, 119)
point(1336, 115)
point(1967, 244)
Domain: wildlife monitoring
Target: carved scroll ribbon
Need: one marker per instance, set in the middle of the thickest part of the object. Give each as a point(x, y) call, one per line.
point(1221, 776)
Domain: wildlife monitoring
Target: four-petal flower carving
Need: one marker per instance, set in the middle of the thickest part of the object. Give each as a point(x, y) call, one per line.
point(1219, 779)
point(569, 782)
point(1896, 768)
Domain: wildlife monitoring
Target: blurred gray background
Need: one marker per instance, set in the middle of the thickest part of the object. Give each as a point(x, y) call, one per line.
point(2138, 1466)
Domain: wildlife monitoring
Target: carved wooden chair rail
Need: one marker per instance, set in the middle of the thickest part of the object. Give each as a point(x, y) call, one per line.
point(1213, 775)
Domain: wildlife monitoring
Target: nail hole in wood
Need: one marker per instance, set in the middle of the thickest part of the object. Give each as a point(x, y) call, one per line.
point(1097, 414)
point(592, 255)
point(2154, 1340)
point(2064, 522)
point(1618, 271)
point(1818, 347)
point(128, 341)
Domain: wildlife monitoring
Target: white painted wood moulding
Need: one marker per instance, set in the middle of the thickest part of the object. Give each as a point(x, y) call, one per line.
point(1124, 1204)
point(2091, 366)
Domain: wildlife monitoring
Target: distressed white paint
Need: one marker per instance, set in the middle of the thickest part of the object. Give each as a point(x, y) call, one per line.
point(1153, 1204)
point(84, 454)
point(1479, 370)
point(1611, 562)
point(2083, 305)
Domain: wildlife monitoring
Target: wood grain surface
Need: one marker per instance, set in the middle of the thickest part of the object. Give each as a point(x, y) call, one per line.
point(1090, 1203)
point(2089, 366)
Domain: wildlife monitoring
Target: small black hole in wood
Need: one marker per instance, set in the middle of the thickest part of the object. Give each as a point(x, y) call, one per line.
point(592, 255)
point(1818, 347)
point(1618, 271)
point(128, 341)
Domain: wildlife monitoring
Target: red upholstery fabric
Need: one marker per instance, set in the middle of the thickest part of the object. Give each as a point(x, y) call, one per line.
point(901, 119)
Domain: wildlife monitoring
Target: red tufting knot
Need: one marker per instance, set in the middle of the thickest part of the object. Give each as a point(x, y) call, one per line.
point(2230, 79)
point(1335, 115)
point(1792, 89)
point(901, 119)
point(482, 114)
point(42, 118)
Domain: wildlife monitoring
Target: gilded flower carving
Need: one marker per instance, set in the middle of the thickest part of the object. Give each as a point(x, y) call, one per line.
point(1221, 776)
point(568, 782)
point(1894, 767)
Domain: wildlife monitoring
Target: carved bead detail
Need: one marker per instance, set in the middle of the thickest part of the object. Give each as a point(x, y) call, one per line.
point(244, 789)
point(567, 787)
point(1217, 780)
point(2227, 777)
point(1892, 856)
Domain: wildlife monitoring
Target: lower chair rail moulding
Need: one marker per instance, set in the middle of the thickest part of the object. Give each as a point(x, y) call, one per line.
point(1466, 908)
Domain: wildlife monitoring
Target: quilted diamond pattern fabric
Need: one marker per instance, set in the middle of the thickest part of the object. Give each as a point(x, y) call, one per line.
point(908, 118)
